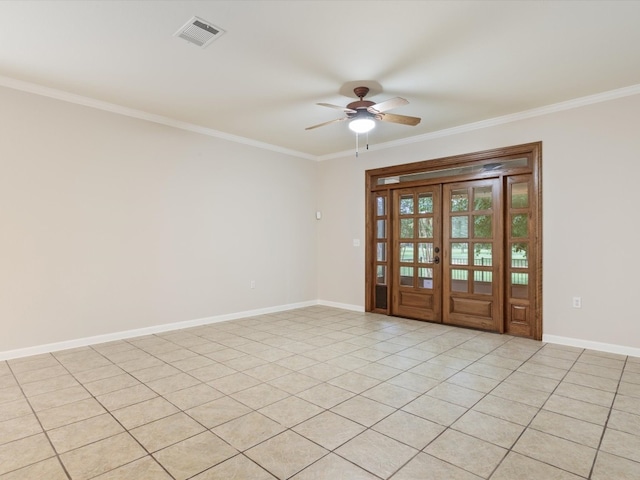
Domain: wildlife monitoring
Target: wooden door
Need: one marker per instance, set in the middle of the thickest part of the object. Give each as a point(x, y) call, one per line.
point(473, 255)
point(490, 275)
point(522, 265)
point(416, 249)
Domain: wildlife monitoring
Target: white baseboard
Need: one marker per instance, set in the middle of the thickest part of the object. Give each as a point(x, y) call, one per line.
point(110, 337)
point(344, 306)
point(139, 332)
point(599, 346)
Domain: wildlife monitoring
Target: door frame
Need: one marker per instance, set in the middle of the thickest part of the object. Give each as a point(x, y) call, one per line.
point(471, 166)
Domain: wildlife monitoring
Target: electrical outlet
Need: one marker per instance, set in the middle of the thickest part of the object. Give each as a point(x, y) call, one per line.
point(253, 284)
point(577, 302)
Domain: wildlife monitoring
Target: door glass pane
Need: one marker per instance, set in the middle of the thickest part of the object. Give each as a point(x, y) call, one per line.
point(406, 252)
point(406, 276)
point(425, 277)
point(482, 226)
point(381, 206)
point(425, 203)
point(460, 227)
point(425, 252)
point(459, 281)
point(518, 278)
point(519, 255)
point(520, 285)
point(519, 195)
point(482, 198)
point(406, 204)
point(482, 282)
point(406, 228)
point(382, 252)
point(519, 225)
point(381, 275)
point(460, 254)
point(482, 254)
point(381, 229)
point(459, 200)
point(425, 227)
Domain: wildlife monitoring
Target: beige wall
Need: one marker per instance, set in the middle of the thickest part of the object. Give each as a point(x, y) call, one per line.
point(591, 168)
point(110, 224)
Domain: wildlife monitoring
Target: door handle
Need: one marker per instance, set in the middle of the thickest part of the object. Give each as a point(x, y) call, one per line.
point(436, 259)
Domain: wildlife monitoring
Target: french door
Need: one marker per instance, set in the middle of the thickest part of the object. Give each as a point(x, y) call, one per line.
point(417, 276)
point(444, 239)
point(472, 238)
point(458, 241)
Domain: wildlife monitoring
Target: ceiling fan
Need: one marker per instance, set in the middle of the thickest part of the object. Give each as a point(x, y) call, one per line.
point(363, 113)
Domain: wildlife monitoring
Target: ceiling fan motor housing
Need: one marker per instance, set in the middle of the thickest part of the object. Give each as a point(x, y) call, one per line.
point(361, 104)
point(360, 112)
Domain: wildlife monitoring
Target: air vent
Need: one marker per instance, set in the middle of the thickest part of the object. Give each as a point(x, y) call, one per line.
point(199, 32)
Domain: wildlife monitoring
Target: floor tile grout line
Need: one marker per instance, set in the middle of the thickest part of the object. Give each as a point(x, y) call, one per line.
point(367, 428)
point(400, 409)
point(44, 431)
point(125, 429)
point(597, 449)
point(130, 373)
point(206, 429)
point(606, 423)
point(151, 454)
point(510, 449)
point(378, 380)
point(468, 409)
point(540, 408)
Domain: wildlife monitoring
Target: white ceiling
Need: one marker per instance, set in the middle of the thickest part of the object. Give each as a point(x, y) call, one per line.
point(455, 62)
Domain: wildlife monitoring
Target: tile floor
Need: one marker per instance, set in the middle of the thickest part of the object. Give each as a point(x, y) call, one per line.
point(321, 393)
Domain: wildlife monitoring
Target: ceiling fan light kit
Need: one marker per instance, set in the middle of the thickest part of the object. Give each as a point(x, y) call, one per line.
point(362, 124)
point(364, 113)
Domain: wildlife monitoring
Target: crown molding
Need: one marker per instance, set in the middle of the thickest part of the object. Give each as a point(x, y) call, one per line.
point(469, 127)
point(491, 122)
point(142, 115)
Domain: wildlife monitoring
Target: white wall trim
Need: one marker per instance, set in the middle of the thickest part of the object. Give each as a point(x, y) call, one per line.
point(142, 115)
point(168, 327)
point(588, 344)
point(491, 122)
point(344, 306)
point(139, 332)
point(131, 112)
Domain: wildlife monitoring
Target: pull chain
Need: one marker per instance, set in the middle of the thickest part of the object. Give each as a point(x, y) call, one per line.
point(357, 143)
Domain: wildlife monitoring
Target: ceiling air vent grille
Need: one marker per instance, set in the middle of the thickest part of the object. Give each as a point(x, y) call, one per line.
point(199, 32)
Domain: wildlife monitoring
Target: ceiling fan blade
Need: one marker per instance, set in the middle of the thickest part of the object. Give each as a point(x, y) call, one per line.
point(387, 105)
point(402, 119)
point(344, 109)
point(327, 123)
